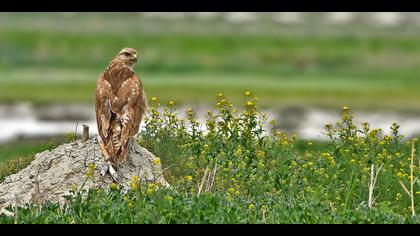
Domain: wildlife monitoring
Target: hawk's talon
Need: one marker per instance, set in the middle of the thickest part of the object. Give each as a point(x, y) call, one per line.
point(112, 172)
point(115, 177)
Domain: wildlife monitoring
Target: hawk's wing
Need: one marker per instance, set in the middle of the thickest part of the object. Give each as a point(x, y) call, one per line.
point(134, 108)
point(103, 98)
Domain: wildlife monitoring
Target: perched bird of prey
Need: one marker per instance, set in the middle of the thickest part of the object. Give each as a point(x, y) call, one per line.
point(120, 105)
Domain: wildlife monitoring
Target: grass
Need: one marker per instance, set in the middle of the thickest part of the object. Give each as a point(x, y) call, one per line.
point(256, 178)
point(16, 156)
point(11, 150)
point(195, 88)
point(170, 207)
point(58, 60)
point(12, 166)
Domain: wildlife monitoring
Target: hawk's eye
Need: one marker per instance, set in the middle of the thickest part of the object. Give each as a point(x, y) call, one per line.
point(126, 54)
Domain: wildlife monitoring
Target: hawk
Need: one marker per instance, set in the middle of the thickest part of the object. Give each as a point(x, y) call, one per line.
point(120, 104)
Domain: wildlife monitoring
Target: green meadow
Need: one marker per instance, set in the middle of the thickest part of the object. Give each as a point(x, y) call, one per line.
point(59, 58)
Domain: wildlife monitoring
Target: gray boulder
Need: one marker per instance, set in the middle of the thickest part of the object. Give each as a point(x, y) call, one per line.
point(54, 173)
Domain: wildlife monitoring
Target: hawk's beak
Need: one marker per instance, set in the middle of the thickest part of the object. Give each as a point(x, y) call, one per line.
point(135, 58)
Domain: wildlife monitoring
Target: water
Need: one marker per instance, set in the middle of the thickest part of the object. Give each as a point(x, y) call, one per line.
point(22, 121)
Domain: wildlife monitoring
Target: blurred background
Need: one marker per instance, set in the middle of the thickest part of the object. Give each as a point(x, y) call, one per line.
point(303, 67)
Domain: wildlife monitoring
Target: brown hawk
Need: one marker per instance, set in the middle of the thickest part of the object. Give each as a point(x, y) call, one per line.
point(120, 105)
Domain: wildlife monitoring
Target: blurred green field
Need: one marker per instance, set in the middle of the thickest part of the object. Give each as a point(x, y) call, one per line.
point(59, 58)
point(20, 149)
point(28, 147)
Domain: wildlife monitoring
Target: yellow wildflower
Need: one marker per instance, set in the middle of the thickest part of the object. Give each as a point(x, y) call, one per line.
point(189, 178)
point(90, 170)
point(411, 177)
point(114, 186)
point(260, 153)
point(156, 161)
point(238, 152)
point(264, 208)
point(231, 190)
point(74, 187)
point(133, 182)
point(169, 198)
point(149, 191)
point(126, 199)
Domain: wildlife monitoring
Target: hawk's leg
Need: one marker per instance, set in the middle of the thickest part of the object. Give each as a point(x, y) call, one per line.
point(110, 168)
point(124, 139)
point(112, 172)
point(125, 150)
point(103, 149)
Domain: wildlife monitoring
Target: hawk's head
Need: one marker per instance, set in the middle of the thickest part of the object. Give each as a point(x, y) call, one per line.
point(128, 56)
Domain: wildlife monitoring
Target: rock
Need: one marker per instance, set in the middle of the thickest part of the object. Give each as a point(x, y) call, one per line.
point(54, 173)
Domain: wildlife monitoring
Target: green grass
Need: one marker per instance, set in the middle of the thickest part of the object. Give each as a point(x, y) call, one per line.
point(12, 166)
point(59, 59)
point(330, 92)
point(16, 156)
point(171, 207)
point(10, 151)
